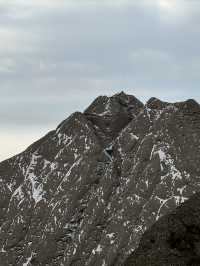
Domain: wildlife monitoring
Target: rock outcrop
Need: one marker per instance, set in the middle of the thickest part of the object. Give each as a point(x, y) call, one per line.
point(173, 240)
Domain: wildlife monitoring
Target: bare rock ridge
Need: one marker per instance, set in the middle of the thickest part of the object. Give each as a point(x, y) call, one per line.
point(86, 192)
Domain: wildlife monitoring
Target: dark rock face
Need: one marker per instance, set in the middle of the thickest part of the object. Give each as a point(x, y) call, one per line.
point(110, 115)
point(86, 192)
point(173, 240)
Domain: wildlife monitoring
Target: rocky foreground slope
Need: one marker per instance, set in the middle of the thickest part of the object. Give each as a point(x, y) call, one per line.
point(173, 240)
point(86, 192)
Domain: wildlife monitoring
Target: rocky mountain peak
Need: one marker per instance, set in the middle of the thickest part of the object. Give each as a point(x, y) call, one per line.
point(155, 103)
point(109, 106)
point(86, 192)
point(189, 105)
point(110, 115)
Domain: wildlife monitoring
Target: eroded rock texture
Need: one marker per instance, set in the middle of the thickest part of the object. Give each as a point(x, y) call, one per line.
point(86, 192)
point(173, 240)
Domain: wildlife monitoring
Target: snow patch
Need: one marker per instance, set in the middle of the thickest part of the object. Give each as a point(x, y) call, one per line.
point(97, 250)
point(167, 160)
point(134, 136)
point(37, 188)
point(28, 260)
point(111, 236)
point(64, 139)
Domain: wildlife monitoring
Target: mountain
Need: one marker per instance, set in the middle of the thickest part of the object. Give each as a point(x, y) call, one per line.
point(86, 192)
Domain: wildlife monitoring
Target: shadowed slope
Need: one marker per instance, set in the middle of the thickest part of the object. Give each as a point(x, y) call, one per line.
point(173, 240)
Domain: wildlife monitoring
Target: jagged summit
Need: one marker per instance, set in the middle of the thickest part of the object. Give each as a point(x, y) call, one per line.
point(109, 106)
point(155, 103)
point(86, 192)
point(189, 105)
point(111, 114)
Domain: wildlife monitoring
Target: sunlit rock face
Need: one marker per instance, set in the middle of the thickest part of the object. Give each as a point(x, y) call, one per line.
point(85, 193)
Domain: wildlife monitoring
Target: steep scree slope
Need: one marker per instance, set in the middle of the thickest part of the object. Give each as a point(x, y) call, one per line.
point(86, 192)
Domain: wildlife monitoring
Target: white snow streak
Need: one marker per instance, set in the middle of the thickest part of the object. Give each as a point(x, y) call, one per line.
point(28, 261)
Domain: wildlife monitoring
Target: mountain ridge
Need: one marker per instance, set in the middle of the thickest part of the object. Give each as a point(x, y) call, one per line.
point(86, 192)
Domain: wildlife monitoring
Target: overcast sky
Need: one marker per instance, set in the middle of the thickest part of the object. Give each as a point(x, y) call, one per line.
point(57, 56)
